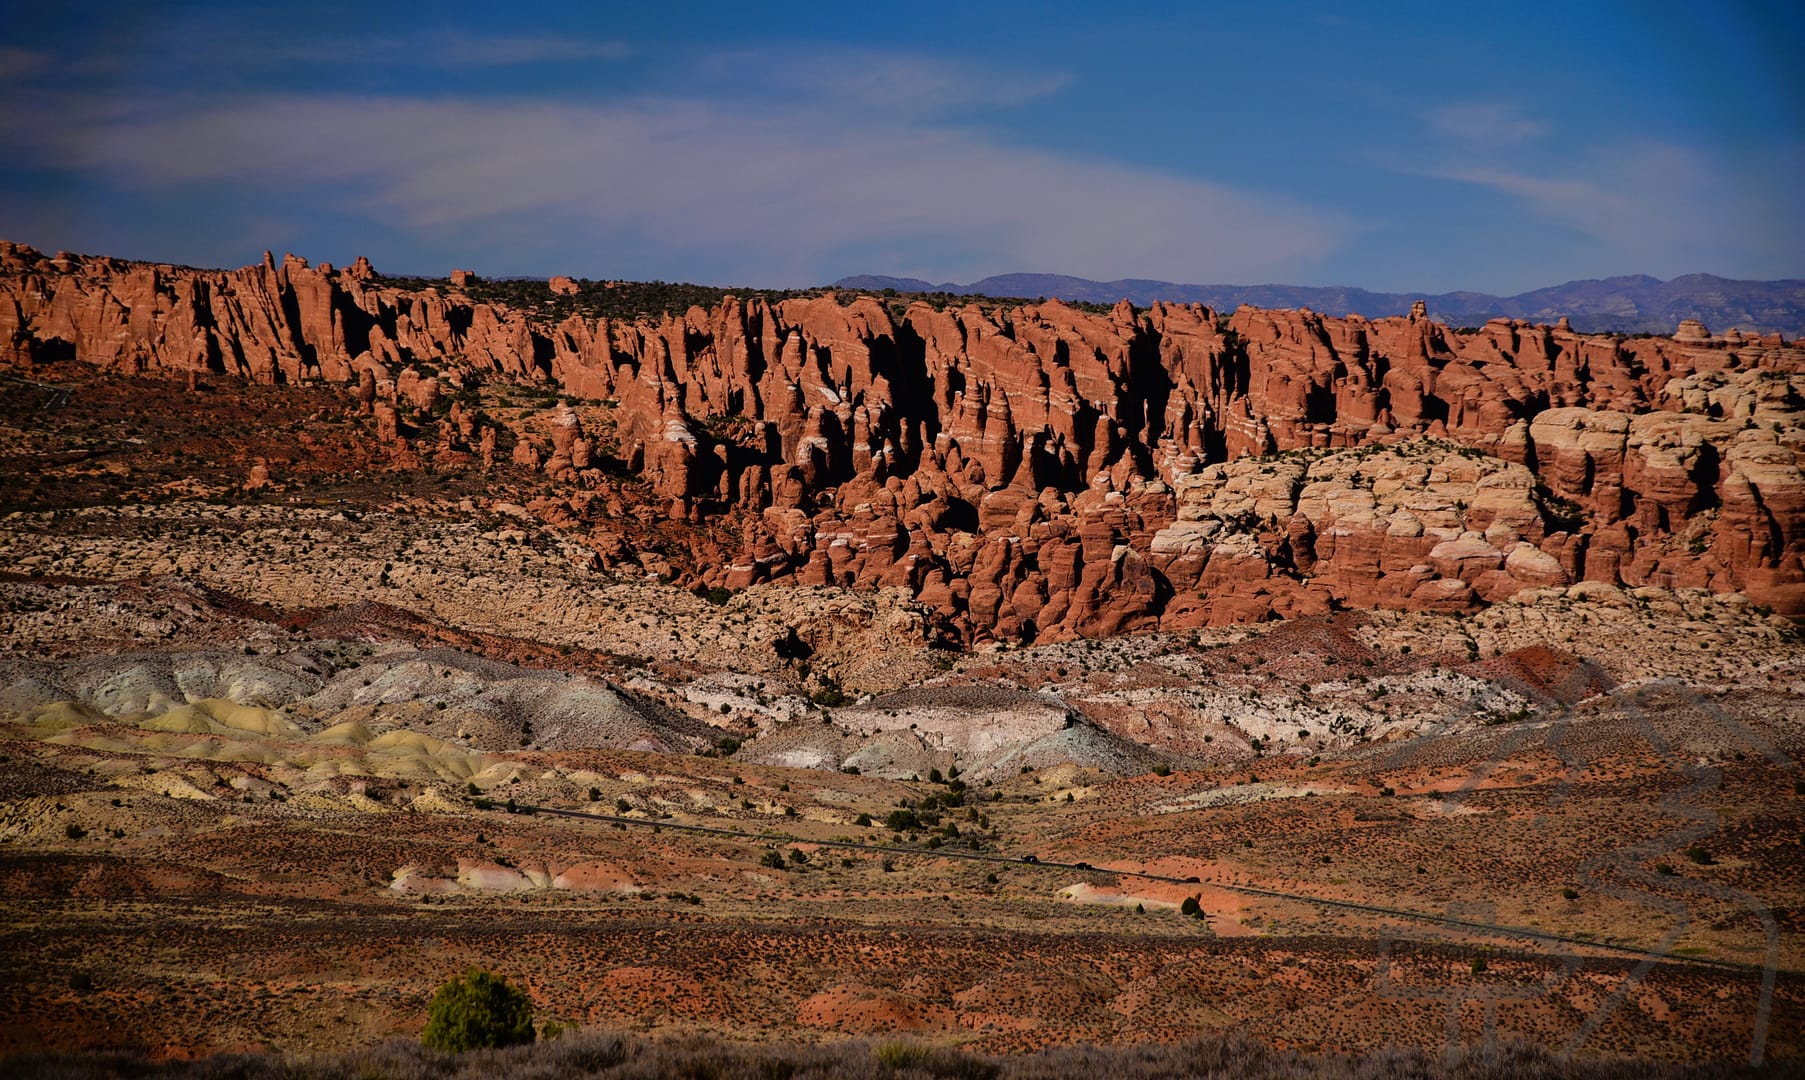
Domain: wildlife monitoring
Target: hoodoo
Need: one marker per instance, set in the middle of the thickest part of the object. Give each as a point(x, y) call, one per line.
point(1040, 470)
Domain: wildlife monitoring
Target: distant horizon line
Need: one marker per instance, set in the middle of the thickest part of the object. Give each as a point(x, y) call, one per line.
point(948, 286)
point(1612, 278)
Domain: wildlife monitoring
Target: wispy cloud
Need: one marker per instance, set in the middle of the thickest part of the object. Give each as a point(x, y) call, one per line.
point(1489, 123)
point(16, 63)
point(455, 49)
point(1656, 206)
point(1620, 204)
point(893, 81)
point(766, 195)
point(252, 51)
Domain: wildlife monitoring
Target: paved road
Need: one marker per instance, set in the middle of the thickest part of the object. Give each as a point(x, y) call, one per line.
point(1247, 890)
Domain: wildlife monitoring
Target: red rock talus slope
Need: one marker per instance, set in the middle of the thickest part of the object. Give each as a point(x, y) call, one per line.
point(1041, 471)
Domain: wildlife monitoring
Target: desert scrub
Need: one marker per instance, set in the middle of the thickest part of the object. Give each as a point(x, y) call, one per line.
point(900, 1055)
point(584, 1054)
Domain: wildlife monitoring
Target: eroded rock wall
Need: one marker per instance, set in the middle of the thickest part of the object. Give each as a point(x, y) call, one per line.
point(1042, 471)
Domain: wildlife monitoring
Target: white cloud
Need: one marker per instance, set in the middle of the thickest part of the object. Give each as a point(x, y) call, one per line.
point(1489, 123)
point(761, 195)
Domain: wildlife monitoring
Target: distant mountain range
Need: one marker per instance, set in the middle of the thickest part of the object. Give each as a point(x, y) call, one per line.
point(1630, 305)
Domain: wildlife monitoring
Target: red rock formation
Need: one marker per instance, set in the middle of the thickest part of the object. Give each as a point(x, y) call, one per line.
point(1047, 471)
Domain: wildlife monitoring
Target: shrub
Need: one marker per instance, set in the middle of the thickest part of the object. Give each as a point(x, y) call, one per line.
point(1162, 769)
point(1570, 893)
point(830, 695)
point(479, 1009)
point(1699, 855)
point(902, 821)
point(1190, 907)
point(74, 832)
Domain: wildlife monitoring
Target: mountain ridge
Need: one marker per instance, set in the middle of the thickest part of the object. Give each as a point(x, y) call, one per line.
point(1631, 304)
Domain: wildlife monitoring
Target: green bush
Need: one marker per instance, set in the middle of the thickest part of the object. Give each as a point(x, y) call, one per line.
point(902, 821)
point(478, 1009)
point(830, 695)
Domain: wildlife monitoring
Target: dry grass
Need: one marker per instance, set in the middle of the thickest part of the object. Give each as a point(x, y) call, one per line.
point(619, 1057)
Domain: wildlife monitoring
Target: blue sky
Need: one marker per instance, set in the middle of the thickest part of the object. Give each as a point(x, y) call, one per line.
point(1429, 147)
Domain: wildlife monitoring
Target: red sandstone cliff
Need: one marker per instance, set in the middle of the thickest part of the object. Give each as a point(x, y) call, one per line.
point(1044, 471)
